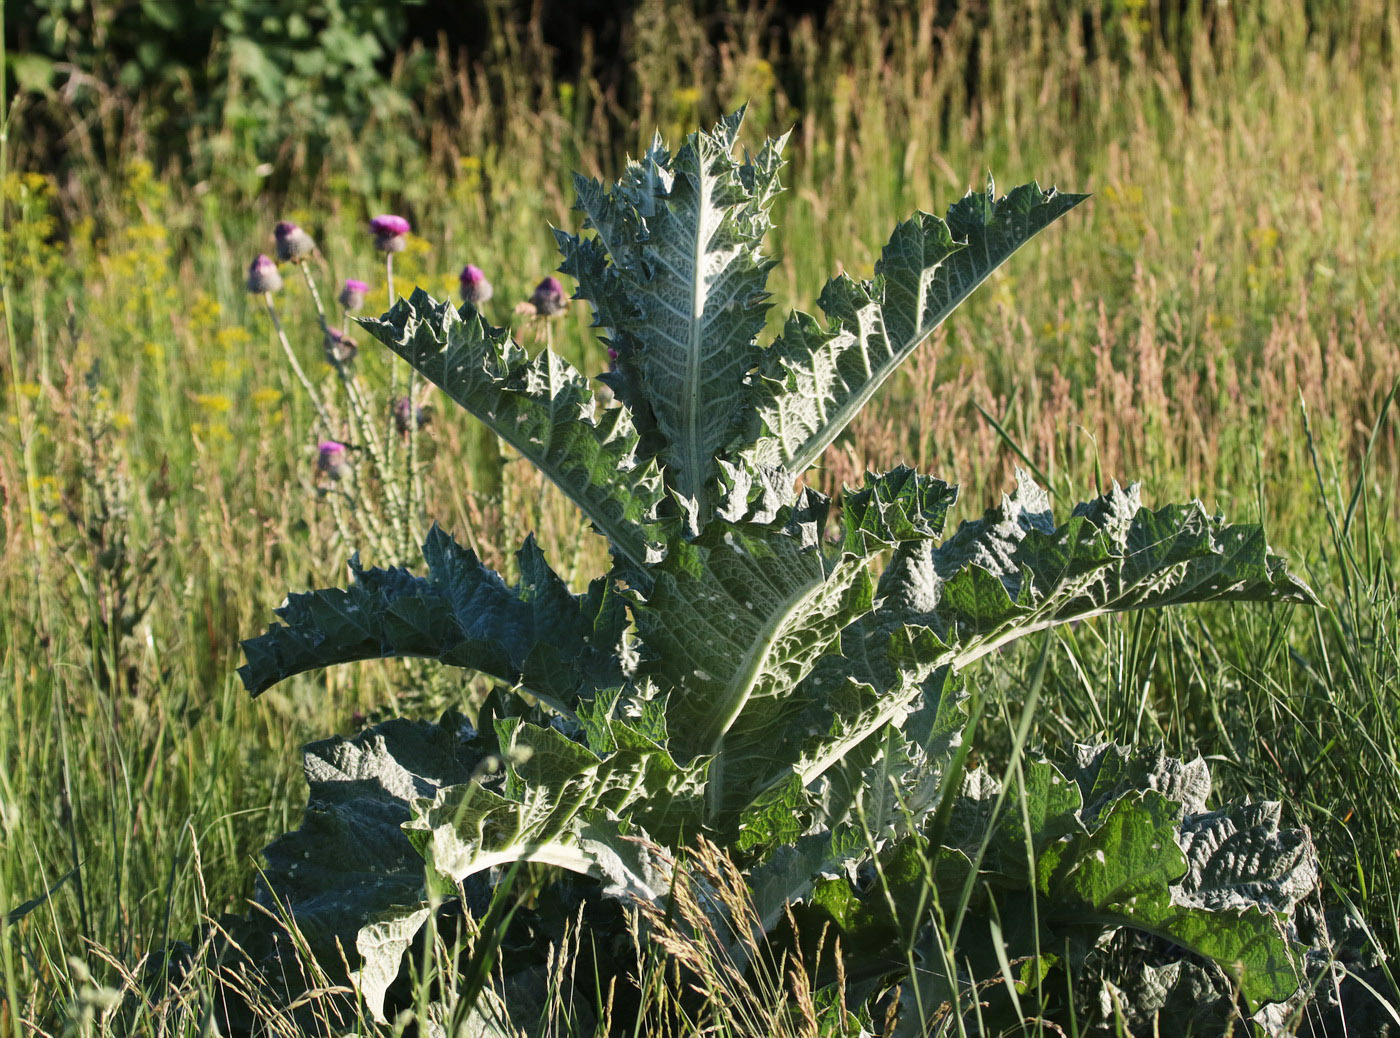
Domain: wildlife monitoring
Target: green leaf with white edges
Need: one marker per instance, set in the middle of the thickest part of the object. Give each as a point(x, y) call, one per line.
point(1015, 572)
point(348, 878)
point(561, 804)
point(1121, 874)
point(677, 275)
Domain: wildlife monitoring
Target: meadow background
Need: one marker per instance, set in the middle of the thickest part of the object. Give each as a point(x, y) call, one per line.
point(1220, 321)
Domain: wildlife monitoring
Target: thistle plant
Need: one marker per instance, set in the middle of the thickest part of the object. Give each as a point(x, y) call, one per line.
point(367, 462)
point(787, 679)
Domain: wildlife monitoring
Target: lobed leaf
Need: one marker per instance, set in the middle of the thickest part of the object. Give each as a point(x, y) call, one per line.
point(541, 407)
point(814, 379)
point(1122, 873)
point(348, 879)
point(565, 804)
point(677, 276)
point(1015, 572)
point(558, 645)
point(738, 618)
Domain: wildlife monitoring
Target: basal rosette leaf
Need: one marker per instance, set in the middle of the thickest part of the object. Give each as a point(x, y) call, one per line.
point(588, 809)
point(1123, 840)
point(1239, 856)
point(1105, 772)
point(1122, 874)
point(677, 276)
point(348, 880)
point(542, 407)
point(1129, 860)
point(535, 633)
point(814, 379)
point(407, 800)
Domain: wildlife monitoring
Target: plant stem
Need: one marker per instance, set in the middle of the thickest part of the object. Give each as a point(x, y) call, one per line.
point(395, 384)
point(365, 429)
point(315, 295)
point(321, 411)
point(413, 486)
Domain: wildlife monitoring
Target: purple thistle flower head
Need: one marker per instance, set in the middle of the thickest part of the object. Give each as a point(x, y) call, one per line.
point(332, 460)
point(389, 232)
point(263, 276)
point(475, 288)
point(352, 295)
point(340, 348)
point(293, 244)
point(549, 299)
point(403, 409)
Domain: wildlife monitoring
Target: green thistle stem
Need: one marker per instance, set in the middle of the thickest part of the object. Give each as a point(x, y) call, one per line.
point(311, 393)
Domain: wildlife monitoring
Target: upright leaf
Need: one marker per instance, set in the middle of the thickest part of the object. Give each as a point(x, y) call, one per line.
point(814, 380)
point(733, 623)
point(737, 620)
point(677, 275)
point(541, 407)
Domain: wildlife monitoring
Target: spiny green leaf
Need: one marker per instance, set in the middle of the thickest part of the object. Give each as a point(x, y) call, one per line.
point(1121, 874)
point(349, 879)
point(813, 380)
point(1015, 572)
point(563, 804)
point(536, 633)
point(541, 407)
point(677, 276)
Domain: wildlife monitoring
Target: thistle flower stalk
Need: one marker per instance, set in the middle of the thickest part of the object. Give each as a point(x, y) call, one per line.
point(339, 362)
point(311, 393)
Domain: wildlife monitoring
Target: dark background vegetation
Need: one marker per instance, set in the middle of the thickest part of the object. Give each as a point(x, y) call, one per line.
point(162, 76)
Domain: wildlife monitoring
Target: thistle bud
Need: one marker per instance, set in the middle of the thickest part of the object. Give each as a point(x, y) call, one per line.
point(263, 276)
point(332, 460)
point(548, 299)
point(293, 244)
point(340, 348)
point(403, 409)
point(475, 288)
point(352, 295)
point(390, 233)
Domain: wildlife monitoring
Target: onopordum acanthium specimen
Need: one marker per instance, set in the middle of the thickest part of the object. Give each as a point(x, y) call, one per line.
point(755, 670)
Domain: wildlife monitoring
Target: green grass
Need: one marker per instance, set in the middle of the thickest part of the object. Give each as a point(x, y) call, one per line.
point(1218, 321)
